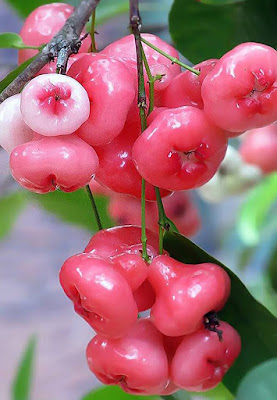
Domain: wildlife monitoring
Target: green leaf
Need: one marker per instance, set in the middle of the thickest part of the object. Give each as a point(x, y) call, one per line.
point(201, 31)
point(14, 73)
point(220, 2)
point(114, 393)
point(110, 8)
point(218, 393)
point(74, 208)
point(21, 385)
point(11, 40)
point(255, 324)
point(260, 383)
point(254, 211)
point(24, 8)
point(10, 207)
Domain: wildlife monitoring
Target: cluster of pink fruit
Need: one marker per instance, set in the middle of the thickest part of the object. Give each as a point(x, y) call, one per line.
point(179, 346)
point(62, 131)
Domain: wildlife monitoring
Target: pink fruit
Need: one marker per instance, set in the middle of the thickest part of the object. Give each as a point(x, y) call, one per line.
point(184, 149)
point(144, 296)
point(48, 163)
point(136, 362)
point(111, 89)
point(185, 293)
point(201, 360)
point(54, 104)
point(42, 25)
point(117, 170)
point(113, 242)
point(100, 295)
point(98, 189)
point(50, 68)
point(241, 91)
point(13, 130)
point(259, 147)
point(185, 88)
point(124, 50)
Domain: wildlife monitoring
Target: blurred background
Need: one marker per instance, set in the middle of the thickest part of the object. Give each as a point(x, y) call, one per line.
point(37, 235)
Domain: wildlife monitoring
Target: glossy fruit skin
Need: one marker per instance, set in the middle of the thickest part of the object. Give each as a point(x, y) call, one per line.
point(185, 293)
point(184, 149)
point(185, 88)
point(111, 89)
point(137, 362)
point(48, 163)
point(113, 242)
point(124, 50)
point(241, 91)
point(100, 295)
point(50, 68)
point(259, 147)
point(201, 360)
point(54, 104)
point(41, 26)
point(117, 170)
point(120, 244)
point(13, 131)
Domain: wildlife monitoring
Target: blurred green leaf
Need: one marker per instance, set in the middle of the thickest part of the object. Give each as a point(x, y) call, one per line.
point(260, 383)
point(21, 385)
point(272, 268)
point(13, 74)
point(110, 8)
point(10, 207)
point(220, 2)
point(24, 8)
point(74, 208)
point(218, 393)
point(114, 393)
point(11, 40)
point(256, 209)
point(255, 324)
point(201, 31)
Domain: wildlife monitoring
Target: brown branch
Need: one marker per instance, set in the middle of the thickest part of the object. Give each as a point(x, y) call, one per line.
point(66, 42)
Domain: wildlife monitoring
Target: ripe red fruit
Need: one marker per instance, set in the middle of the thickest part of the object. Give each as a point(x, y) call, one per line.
point(136, 362)
point(42, 25)
point(116, 166)
point(48, 163)
point(241, 91)
point(185, 88)
point(184, 149)
point(259, 147)
point(201, 360)
point(185, 293)
point(100, 294)
point(111, 89)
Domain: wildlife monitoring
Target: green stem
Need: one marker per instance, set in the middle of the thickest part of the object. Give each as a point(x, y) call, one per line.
point(135, 24)
point(172, 59)
point(94, 207)
point(93, 48)
point(151, 82)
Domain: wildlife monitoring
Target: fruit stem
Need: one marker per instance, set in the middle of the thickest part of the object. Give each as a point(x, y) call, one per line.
point(151, 82)
point(135, 25)
point(93, 48)
point(94, 207)
point(172, 59)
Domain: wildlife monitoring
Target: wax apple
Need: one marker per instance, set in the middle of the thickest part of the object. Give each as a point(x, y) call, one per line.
point(137, 362)
point(185, 293)
point(111, 89)
point(185, 88)
point(201, 360)
point(54, 104)
point(259, 148)
point(117, 170)
point(13, 130)
point(48, 163)
point(42, 25)
point(184, 149)
point(124, 49)
point(99, 294)
point(241, 91)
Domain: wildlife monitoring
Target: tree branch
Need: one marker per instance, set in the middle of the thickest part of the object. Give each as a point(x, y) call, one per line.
point(66, 42)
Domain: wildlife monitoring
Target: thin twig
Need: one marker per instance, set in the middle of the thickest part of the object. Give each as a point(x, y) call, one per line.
point(64, 43)
point(94, 207)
